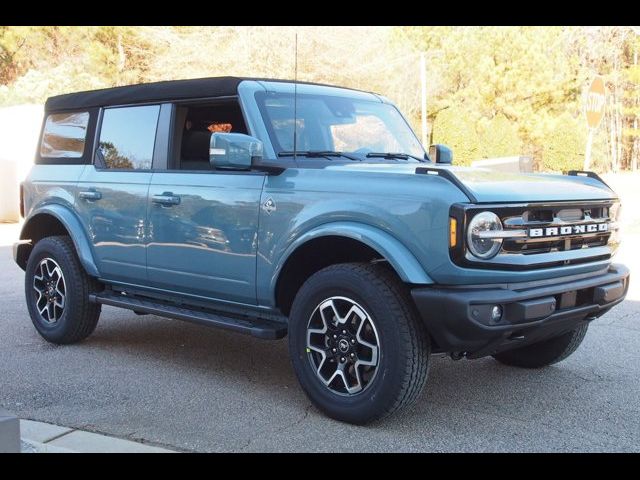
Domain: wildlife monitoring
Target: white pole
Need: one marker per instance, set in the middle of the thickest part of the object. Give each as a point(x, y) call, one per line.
point(587, 153)
point(423, 84)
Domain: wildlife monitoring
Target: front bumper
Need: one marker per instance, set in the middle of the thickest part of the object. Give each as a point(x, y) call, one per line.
point(459, 318)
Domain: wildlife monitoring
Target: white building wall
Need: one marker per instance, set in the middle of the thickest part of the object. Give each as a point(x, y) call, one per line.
point(19, 131)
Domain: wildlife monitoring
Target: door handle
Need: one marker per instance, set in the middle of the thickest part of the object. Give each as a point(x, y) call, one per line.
point(90, 195)
point(166, 199)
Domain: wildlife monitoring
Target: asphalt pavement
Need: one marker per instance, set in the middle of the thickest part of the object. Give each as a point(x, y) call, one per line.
point(190, 388)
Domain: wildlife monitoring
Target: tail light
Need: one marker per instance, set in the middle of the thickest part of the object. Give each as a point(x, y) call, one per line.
point(21, 200)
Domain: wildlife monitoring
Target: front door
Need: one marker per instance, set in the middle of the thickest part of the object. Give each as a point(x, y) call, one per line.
point(203, 222)
point(112, 193)
point(203, 232)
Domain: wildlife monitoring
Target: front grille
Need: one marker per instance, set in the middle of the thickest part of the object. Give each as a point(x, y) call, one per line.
point(515, 246)
point(549, 216)
point(542, 235)
point(547, 246)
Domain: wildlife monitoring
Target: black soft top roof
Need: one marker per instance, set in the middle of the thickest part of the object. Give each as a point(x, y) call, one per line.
point(146, 92)
point(151, 92)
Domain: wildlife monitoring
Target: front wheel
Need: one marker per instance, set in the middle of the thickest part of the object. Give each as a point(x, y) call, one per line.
point(547, 352)
point(357, 346)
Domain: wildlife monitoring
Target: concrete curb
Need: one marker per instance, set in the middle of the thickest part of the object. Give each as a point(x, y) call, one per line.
point(30, 446)
point(41, 437)
point(9, 432)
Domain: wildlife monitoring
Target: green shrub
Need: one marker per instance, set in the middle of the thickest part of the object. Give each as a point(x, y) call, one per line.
point(455, 128)
point(564, 144)
point(498, 137)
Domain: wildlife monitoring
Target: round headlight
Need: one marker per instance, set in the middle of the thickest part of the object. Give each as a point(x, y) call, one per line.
point(478, 244)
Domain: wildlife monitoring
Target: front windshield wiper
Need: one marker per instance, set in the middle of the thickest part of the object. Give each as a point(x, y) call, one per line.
point(317, 153)
point(392, 155)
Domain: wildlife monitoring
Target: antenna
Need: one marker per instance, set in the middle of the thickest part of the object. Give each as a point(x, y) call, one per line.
point(295, 101)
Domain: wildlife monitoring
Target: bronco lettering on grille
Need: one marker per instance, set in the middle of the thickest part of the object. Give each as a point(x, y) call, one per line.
point(568, 230)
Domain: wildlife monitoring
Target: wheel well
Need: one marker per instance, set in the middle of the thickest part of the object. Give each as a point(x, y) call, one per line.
point(40, 226)
point(312, 257)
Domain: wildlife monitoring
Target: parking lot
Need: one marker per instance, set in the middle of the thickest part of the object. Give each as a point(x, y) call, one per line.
point(196, 389)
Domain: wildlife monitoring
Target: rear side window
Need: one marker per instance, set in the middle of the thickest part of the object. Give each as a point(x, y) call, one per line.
point(64, 135)
point(127, 137)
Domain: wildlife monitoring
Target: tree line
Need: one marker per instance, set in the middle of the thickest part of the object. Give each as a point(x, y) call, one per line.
point(491, 91)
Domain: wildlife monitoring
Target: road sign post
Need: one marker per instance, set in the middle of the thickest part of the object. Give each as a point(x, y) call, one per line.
point(594, 112)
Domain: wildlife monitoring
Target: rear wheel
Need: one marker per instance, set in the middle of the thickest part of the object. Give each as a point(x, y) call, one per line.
point(57, 292)
point(544, 353)
point(357, 347)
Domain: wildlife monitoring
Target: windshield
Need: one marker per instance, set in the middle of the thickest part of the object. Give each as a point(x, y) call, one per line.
point(340, 124)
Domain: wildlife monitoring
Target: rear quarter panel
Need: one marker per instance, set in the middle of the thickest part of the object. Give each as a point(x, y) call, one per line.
point(50, 190)
point(51, 184)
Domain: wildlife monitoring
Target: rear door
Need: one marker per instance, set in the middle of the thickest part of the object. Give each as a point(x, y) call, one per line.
point(112, 192)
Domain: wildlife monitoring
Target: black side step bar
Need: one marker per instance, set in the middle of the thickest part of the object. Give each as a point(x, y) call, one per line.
point(257, 327)
point(449, 175)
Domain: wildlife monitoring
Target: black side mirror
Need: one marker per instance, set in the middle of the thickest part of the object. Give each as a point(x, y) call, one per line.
point(441, 154)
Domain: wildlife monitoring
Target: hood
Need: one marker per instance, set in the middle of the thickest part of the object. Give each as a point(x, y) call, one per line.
point(490, 186)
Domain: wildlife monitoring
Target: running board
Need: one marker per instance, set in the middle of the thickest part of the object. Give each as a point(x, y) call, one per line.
point(257, 327)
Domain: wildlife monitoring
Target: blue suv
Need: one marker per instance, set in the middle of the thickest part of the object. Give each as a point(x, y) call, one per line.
point(269, 207)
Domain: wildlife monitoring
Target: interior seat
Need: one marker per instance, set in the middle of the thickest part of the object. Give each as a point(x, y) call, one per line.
point(195, 150)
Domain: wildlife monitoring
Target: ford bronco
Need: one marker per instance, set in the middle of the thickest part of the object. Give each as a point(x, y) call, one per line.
point(269, 207)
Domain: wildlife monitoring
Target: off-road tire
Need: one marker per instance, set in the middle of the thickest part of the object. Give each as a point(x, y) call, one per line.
point(404, 343)
point(79, 316)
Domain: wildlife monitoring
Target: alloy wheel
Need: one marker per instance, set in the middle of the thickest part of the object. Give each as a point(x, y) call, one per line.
point(50, 290)
point(343, 345)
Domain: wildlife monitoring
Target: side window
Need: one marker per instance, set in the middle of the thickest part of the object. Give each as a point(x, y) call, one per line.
point(64, 135)
point(127, 137)
point(193, 126)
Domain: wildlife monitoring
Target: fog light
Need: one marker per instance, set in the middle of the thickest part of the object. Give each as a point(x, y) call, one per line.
point(496, 313)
